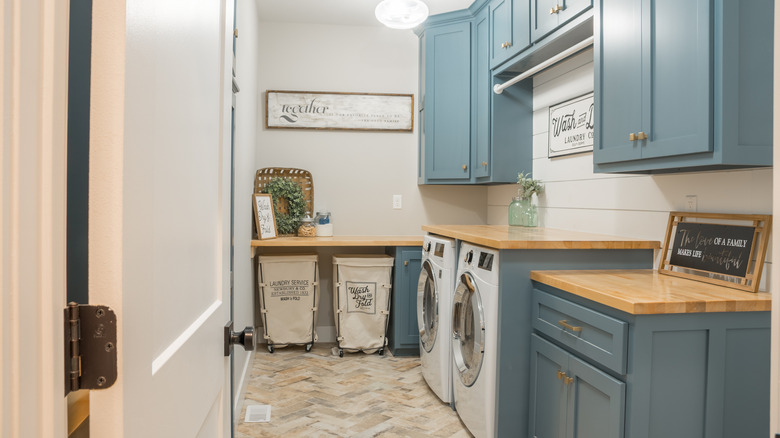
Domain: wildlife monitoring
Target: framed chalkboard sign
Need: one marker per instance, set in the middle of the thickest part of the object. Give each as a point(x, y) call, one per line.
point(725, 249)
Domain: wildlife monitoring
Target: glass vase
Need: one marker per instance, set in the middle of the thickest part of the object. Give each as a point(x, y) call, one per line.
point(522, 213)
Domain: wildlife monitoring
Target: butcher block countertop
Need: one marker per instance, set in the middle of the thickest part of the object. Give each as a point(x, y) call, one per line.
point(646, 292)
point(507, 237)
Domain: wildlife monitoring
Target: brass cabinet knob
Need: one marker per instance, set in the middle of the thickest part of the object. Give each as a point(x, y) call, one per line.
point(641, 136)
point(561, 375)
point(568, 380)
point(465, 167)
point(556, 9)
point(507, 45)
point(632, 137)
point(484, 163)
point(503, 45)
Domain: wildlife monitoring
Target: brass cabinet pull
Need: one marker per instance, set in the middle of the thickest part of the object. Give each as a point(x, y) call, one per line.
point(568, 380)
point(556, 9)
point(507, 45)
point(406, 262)
point(569, 326)
point(484, 163)
point(465, 167)
point(561, 375)
point(503, 45)
point(632, 137)
point(641, 136)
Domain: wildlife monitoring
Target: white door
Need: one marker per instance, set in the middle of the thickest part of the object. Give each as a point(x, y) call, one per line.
point(159, 213)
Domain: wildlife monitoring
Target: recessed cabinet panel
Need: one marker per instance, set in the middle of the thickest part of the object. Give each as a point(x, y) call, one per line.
point(501, 30)
point(448, 107)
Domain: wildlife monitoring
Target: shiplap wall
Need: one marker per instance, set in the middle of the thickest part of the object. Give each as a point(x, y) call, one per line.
point(625, 205)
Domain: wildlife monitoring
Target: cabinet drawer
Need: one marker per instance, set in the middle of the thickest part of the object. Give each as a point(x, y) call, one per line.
point(587, 332)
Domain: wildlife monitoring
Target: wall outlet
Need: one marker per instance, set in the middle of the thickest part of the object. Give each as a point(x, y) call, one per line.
point(396, 202)
point(690, 203)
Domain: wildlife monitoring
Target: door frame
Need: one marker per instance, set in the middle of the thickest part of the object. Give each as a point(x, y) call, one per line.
point(33, 126)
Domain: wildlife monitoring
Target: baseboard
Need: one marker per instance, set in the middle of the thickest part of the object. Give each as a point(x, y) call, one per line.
point(239, 396)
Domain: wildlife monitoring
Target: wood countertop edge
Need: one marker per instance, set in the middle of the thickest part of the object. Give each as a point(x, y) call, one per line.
point(588, 240)
point(760, 301)
point(289, 241)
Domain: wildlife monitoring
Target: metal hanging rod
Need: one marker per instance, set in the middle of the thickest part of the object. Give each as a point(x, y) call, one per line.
point(499, 88)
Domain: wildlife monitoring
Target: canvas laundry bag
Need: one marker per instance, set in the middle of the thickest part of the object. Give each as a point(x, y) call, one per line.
point(361, 303)
point(289, 298)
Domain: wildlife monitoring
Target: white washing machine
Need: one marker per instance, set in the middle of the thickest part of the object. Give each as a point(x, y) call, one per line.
point(434, 303)
point(475, 339)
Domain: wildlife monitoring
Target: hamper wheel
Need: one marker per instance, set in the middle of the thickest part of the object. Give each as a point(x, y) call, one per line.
point(308, 346)
point(271, 348)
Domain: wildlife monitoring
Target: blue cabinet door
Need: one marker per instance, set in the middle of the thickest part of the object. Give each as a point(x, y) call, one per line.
point(481, 95)
point(676, 77)
point(547, 415)
point(617, 68)
point(596, 404)
point(447, 102)
point(509, 29)
point(548, 15)
point(403, 333)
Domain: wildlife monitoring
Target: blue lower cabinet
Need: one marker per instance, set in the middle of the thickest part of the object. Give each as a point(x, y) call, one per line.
point(570, 397)
point(403, 334)
point(687, 375)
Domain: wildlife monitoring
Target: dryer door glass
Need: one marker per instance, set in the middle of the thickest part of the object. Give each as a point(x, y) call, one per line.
point(468, 325)
point(427, 307)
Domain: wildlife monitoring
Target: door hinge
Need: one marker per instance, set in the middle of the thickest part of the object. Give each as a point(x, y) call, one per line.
point(90, 347)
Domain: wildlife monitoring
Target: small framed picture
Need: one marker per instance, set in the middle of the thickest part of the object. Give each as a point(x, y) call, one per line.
point(264, 216)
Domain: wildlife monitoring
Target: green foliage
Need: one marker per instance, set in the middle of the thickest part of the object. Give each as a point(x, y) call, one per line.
point(283, 188)
point(526, 186)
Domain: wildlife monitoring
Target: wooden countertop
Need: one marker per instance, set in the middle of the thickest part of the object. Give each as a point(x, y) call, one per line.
point(507, 237)
point(340, 241)
point(646, 292)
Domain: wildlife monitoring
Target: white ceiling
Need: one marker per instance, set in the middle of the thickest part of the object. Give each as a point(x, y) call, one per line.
point(341, 12)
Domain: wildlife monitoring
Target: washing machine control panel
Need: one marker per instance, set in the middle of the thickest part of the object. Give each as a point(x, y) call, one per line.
point(438, 250)
point(485, 261)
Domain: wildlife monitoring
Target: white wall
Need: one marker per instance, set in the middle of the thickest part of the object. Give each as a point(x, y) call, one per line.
point(245, 138)
point(355, 173)
point(625, 205)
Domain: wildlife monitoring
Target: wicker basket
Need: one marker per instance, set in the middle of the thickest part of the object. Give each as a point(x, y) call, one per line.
point(300, 176)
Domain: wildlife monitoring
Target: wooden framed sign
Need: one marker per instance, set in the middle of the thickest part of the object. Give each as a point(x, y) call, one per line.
point(339, 111)
point(264, 216)
point(571, 127)
point(724, 249)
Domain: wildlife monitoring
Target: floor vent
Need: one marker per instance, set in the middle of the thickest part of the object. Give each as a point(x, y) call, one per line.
point(258, 414)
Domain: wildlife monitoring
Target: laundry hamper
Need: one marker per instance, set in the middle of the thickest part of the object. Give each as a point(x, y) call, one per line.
point(289, 297)
point(361, 302)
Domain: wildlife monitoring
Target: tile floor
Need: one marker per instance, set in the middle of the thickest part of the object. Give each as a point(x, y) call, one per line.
point(319, 394)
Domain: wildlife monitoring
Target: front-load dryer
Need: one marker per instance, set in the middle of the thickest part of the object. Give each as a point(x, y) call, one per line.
point(434, 302)
point(475, 338)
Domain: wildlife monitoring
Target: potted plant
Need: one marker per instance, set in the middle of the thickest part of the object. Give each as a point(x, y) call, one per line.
point(522, 212)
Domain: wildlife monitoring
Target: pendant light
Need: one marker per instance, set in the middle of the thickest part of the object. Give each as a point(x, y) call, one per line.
point(401, 14)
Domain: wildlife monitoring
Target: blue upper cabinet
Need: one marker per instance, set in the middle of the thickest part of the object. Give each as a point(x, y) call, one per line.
point(470, 135)
point(548, 15)
point(510, 29)
point(445, 146)
point(682, 88)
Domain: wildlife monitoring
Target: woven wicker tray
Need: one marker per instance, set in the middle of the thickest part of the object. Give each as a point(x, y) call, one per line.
point(300, 176)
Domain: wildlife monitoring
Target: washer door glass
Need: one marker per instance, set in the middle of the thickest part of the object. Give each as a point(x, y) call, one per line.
point(468, 330)
point(427, 307)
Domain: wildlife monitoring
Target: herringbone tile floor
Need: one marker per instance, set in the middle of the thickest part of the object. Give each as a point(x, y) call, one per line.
point(318, 394)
